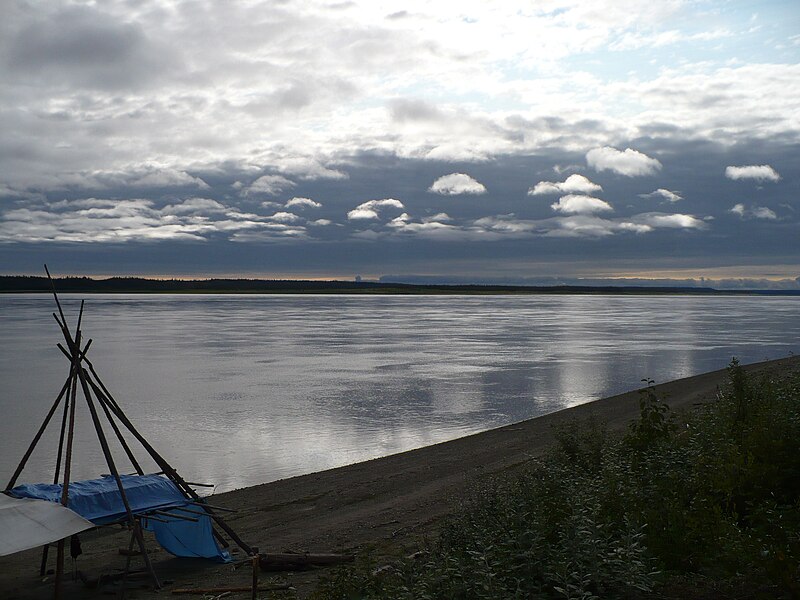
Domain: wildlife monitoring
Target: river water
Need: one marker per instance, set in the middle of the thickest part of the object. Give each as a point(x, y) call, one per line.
point(237, 390)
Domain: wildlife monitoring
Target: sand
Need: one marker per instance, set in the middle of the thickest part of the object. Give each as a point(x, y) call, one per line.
point(383, 506)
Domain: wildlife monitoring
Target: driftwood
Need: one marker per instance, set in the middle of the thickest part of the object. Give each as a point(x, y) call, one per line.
point(241, 588)
point(291, 561)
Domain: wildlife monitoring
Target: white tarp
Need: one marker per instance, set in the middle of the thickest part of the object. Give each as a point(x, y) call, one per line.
point(26, 523)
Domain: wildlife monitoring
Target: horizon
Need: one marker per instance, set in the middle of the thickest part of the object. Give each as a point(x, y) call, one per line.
point(721, 284)
point(572, 140)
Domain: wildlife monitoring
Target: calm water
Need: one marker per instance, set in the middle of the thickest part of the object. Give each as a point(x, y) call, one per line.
point(239, 389)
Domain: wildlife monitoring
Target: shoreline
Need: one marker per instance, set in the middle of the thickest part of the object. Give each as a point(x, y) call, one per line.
point(386, 505)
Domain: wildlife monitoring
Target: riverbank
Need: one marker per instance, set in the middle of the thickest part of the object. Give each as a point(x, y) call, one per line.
point(384, 505)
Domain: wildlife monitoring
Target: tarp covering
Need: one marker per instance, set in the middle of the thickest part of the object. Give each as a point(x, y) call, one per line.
point(26, 523)
point(188, 539)
point(99, 501)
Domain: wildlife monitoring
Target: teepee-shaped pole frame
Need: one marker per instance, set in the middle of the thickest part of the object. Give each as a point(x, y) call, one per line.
point(96, 393)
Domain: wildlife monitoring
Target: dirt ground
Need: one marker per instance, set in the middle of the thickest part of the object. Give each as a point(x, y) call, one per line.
point(384, 506)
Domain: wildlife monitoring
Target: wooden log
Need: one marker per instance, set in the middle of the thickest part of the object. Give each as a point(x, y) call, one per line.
point(255, 562)
point(292, 561)
point(242, 588)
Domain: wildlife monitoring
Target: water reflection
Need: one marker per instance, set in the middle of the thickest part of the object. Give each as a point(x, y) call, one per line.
point(243, 389)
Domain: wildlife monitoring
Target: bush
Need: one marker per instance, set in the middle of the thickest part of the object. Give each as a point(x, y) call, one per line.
point(714, 501)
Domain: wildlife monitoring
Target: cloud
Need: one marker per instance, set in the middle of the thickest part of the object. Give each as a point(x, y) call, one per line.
point(438, 217)
point(194, 206)
point(629, 163)
point(762, 212)
point(308, 168)
point(430, 230)
point(576, 204)
point(272, 185)
point(756, 212)
point(103, 220)
point(414, 110)
point(510, 224)
point(168, 178)
point(85, 47)
point(664, 194)
point(738, 209)
point(669, 221)
point(303, 202)
point(457, 183)
point(591, 226)
point(573, 184)
point(369, 209)
point(285, 217)
point(757, 172)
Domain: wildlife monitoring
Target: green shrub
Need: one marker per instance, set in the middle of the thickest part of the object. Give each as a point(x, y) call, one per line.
point(714, 501)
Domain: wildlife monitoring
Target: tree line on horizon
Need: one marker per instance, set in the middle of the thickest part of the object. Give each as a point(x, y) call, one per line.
point(31, 283)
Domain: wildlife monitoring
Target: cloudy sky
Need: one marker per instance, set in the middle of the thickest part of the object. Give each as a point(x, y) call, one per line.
point(476, 140)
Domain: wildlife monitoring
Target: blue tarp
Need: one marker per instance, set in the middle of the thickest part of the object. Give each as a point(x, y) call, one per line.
point(99, 501)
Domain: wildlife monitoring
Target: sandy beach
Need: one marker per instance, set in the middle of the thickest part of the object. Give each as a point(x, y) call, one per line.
point(384, 506)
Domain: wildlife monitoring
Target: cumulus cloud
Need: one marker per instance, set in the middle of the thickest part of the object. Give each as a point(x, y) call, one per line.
point(757, 172)
point(594, 226)
point(510, 224)
point(272, 185)
point(669, 221)
point(573, 184)
point(629, 163)
point(762, 212)
point(168, 178)
point(756, 212)
point(303, 202)
point(369, 209)
point(578, 204)
point(738, 209)
point(430, 230)
point(591, 226)
point(308, 168)
point(103, 220)
point(194, 206)
point(285, 217)
point(455, 184)
point(663, 194)
point(438, 217)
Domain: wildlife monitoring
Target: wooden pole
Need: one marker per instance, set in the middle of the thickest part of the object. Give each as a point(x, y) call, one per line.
point(58, 304)
point(46, 547)
point(67, 460)
point(113, 468)
point(121, 439)
point(39, 433)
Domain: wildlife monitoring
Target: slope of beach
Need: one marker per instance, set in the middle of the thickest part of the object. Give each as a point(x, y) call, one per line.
point(384, 505)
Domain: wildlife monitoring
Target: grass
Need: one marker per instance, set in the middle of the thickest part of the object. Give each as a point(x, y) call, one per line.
point(703, 505)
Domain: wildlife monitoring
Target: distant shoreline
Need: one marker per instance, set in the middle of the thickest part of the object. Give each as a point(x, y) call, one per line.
point(137, 285)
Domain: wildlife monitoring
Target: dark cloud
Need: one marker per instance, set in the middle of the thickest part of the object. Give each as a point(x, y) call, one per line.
point(407, 109)
point(406, 231)
point(81, 45)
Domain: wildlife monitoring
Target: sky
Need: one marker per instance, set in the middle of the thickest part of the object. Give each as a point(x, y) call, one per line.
point(547, 141)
